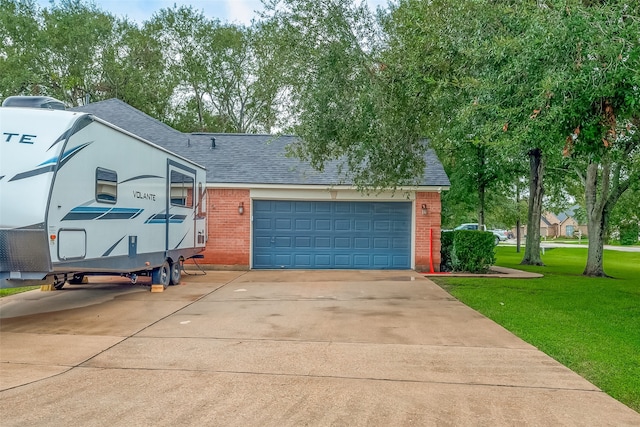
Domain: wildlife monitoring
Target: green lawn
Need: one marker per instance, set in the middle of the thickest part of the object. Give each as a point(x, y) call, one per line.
point(590, 325)
point(11, 291)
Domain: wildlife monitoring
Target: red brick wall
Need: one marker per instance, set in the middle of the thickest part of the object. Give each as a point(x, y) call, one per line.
point(425, 226)
point(229, 232)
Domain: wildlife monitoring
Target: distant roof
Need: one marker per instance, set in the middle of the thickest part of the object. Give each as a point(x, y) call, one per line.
point(569, 213)
point(237, 158)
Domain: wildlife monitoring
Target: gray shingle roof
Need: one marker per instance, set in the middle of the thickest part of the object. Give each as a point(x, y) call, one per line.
point(237, 158)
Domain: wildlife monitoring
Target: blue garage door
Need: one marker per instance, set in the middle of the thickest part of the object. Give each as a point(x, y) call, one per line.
point(324, 235)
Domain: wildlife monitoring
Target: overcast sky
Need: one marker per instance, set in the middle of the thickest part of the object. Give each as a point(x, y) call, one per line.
point(235, 11)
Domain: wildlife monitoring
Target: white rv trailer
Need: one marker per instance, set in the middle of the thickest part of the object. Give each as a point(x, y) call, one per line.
point(80, 196)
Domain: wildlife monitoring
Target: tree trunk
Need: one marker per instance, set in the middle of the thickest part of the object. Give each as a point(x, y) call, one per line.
point(596, 220)
point(481, 181)
point(518, 231)
point(536, 192)
point(481, 203)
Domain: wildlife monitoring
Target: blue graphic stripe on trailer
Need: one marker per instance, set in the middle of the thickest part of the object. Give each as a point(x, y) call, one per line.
point(162, 219)
point(50, 165)
point(91, 212)
point(33, 172)
point(65, 156)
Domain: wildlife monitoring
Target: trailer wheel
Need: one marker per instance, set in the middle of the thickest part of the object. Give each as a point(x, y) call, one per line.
point(161, 275)
point(176, 273)
point(58, 283)
point(77, 279)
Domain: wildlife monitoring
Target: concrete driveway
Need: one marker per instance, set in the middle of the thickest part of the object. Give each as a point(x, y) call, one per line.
point(275, 349)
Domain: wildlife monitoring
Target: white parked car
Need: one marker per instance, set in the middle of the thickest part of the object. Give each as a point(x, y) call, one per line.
point(500, 235)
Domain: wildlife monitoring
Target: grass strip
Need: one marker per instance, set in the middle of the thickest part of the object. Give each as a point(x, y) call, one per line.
point(11, 291)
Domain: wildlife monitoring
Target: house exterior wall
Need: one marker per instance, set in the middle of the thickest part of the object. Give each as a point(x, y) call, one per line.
point(229, 233)
point(427, 231)
point(229, 237)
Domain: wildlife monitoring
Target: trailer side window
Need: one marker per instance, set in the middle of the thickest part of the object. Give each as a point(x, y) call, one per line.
point(181, 189)
point(106, 185)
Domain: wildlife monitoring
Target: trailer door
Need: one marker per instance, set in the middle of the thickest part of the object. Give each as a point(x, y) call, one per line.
point(181, 221)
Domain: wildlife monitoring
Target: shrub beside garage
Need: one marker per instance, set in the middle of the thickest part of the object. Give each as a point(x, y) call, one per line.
point(467, 251)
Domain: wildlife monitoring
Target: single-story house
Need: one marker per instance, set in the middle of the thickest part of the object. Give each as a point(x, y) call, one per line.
point(266, 210)
point(563, 224)
point(549, 225)
point(569, 225)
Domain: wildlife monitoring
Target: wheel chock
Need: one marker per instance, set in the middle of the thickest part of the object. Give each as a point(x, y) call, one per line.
point(157, 288)
point(47, 288)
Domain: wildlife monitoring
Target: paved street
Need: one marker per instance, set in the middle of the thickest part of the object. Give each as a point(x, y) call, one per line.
point(552, 244)
point(278, 348)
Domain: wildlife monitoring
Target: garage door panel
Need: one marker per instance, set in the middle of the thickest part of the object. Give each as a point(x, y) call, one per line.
point(342, 208)
point(303, 207)
point(322, 225)
point(283, 224)
point(283, 242)
point(323, 235)
point(342, 261)
point(322, 261)
point(342, 225)
point(284, 207)
point(382, 225)
point(322, 207)
point(362, 225)
point(342, 243)
point(362, 243)
point(362, 261)
point(399, 243)
point(381, 243)
point(303, 225)
point(303, 261)
point(364, 208)
point(303, 242)
point(282, 260)
point(262, 242)
point(261, 223)
point(323, 242)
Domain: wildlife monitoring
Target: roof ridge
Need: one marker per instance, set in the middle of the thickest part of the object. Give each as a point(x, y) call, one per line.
point(141, 113)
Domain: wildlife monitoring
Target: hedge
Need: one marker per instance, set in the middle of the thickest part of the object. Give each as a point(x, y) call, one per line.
point(472, 251)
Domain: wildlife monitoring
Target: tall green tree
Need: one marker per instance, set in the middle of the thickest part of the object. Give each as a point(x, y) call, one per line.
point(602, 106)
point(224, 81)
point(486, 79)
point(77, 34)
point(346, 103)
point(133, 70)
point(21, 43)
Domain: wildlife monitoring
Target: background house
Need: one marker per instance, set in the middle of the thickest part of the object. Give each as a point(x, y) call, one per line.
point(563, 224)
point(266, 210)
point(569, 224)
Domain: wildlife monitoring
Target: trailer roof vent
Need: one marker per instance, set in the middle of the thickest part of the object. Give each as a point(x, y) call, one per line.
point(34, 102)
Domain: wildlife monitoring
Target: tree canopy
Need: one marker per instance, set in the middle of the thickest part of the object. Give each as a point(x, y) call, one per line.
point(501, 90)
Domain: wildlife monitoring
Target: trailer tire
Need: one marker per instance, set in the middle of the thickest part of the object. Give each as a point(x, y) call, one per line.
point(176, 273)
point(161, 275)
point(59, 283)
point(77, 279)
